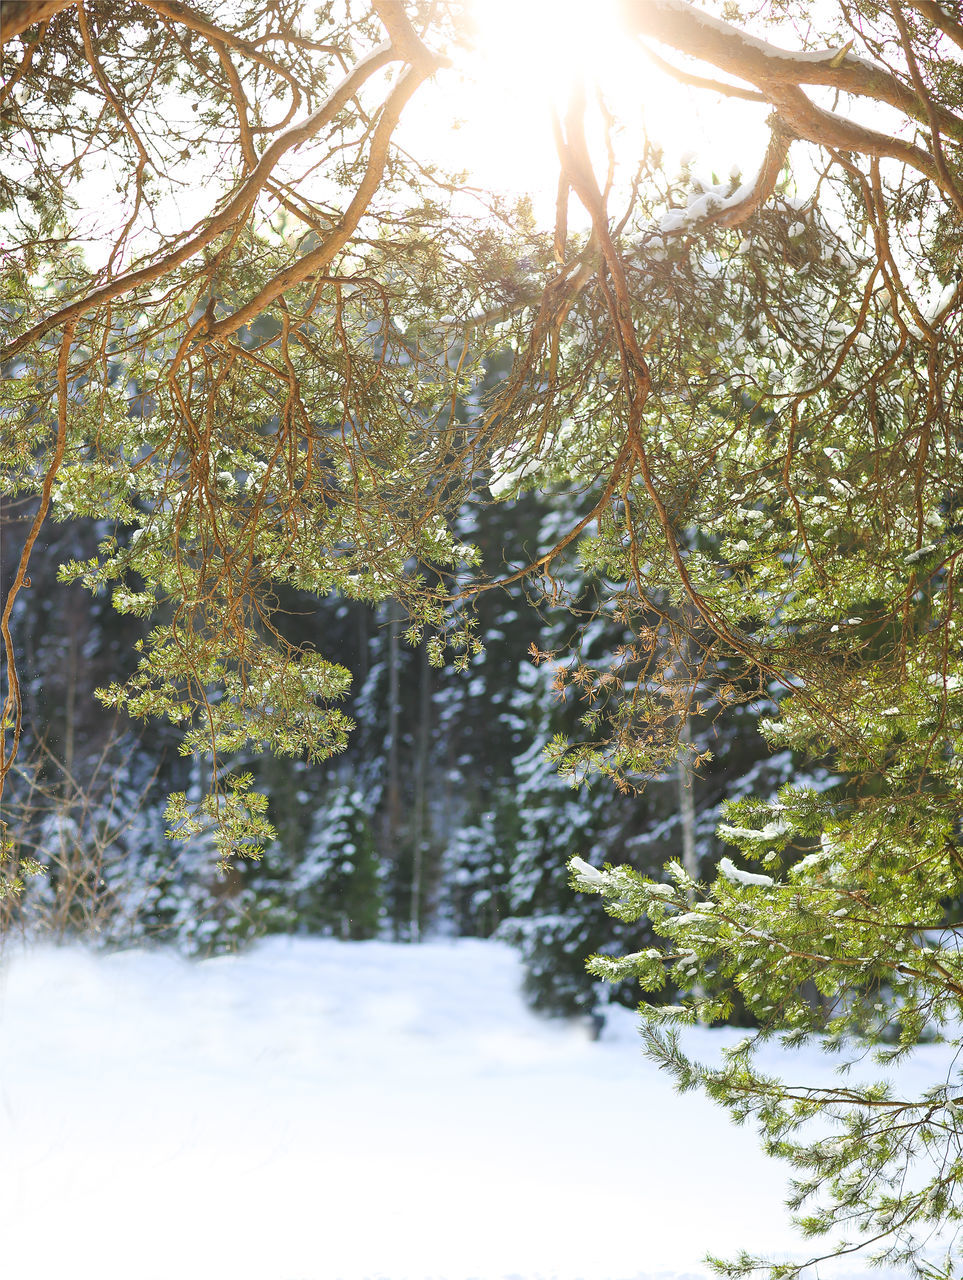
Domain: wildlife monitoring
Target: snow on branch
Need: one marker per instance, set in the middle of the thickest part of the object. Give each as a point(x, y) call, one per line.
point(710, 39)
point(732, 873)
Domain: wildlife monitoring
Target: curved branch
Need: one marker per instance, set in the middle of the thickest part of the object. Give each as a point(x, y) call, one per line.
point(701, 82)
point(940, 18)
point(187, 17)
point(947, 183)
point(12, 713)
point(229, 216)
point(401, 33)
point(105, 86)
point(240, 103)
point(17, 15)
point(321, 257)
point(25, 63)
point(826, 129)
point(742, 204)
point(769, 67)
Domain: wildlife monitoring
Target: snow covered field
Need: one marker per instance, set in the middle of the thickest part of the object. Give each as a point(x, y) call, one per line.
point(318, 1110)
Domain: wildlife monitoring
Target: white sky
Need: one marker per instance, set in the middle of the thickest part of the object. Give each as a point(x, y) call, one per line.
point(492, 115)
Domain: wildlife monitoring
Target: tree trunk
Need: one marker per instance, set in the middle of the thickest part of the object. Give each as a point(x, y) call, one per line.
point(392, 811)
point(421, 793)
point(687, 812)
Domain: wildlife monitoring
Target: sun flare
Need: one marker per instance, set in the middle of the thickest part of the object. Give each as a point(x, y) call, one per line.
point(493, 116)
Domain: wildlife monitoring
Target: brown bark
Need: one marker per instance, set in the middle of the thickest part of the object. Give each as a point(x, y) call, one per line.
point(320, 258)
point(11, 715)
point(17, 15)
point(765, 184)
point(229, 216)
point(699, 35)
point(940, 19)
point(180, 13)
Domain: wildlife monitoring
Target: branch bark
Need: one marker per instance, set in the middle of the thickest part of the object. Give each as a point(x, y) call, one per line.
point(233, 211)
point(17, 15)
point(940, 19)
point(187, 17)
point(771, 68)
point(11, 716)
point(321, 257)
point(765, 183)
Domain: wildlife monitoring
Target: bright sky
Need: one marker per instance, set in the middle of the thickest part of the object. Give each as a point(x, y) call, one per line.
point(493, 117)
point(491, 114)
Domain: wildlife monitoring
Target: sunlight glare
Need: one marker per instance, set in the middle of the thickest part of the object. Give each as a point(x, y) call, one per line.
point(492, 117)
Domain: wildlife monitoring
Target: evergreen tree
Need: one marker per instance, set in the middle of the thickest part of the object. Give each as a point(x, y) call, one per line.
point(337, 888)
point(476, 877)
point(740, 399)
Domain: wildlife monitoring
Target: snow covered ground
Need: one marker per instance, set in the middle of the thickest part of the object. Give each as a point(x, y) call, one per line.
point(318, 1110)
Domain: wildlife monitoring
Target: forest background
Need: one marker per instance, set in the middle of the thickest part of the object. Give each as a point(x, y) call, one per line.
point(442, 814)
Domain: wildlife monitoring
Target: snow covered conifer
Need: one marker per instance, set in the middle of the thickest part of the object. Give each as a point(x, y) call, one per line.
point(338, 886)
point(475, 876)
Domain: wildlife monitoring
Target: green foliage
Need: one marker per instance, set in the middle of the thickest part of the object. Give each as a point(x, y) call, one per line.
point(234, 816)
point(11, 885)
point(338, 886)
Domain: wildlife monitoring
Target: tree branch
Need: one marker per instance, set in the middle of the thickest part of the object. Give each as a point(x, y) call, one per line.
point(940, 18)
point(710, 39)
point(18, 15)
point(321, 257)
point(826, 129)
point(744, 202)
point(187, 17)
point(701, 82)
point(12, 713)
point(404, 38)
point(235, 209)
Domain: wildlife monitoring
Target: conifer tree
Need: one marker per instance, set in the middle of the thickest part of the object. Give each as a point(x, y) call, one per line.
point(337, 887)
point(744, 395)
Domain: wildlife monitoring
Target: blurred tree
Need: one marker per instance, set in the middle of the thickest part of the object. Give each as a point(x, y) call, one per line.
point(337, 886)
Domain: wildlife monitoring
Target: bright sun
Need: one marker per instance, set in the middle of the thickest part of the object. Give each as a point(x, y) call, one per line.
point(493, 118)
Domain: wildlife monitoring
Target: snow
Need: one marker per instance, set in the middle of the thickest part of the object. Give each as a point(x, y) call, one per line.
point(586, 873)
point(509, 469)
point(952, 684)
point(915, 556)
point(323, 1110)
point(735, 876)
point(942, 302)
point(771, 831)
point(763, 46)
